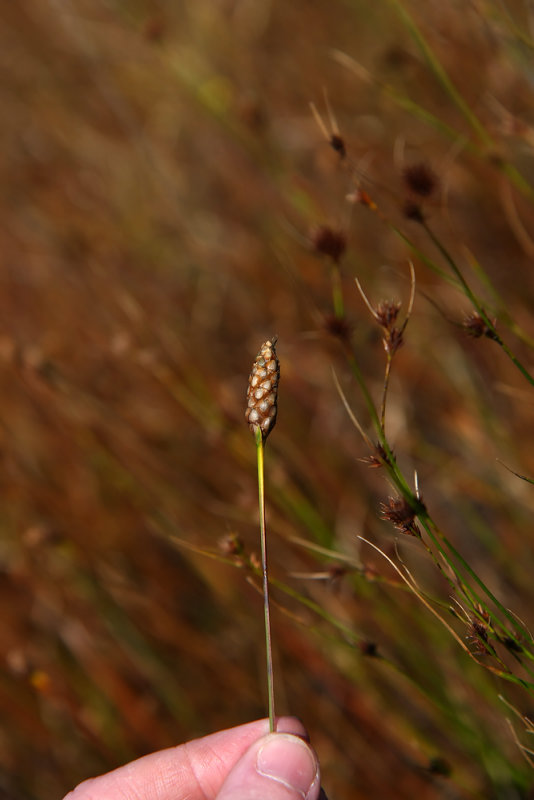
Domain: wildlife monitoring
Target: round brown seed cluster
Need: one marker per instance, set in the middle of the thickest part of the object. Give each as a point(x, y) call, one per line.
point(262, 390)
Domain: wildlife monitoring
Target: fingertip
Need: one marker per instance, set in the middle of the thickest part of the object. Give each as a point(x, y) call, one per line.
point(289, 761)
point(291, 725)
point(281, 766)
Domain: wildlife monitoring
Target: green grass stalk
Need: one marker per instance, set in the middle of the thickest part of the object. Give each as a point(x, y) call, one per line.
point(260, 450)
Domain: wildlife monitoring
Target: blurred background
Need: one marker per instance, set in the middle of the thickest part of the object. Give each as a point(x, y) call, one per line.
point(162, 182)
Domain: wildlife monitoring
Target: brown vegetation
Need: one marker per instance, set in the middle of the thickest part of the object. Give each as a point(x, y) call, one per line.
point(161, 172)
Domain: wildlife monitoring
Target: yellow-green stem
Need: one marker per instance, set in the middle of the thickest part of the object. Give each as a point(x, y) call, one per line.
point(266, 609)
point(337, 293)
point(474, 300)
point(385, 393)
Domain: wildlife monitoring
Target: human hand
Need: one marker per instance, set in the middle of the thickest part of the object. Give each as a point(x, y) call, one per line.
point(243, 763)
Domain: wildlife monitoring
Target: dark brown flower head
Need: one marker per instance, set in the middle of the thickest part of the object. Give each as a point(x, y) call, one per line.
point(338, 327)
point(377, 459)
point(329, 242)
point(336, 572)
point(368, 648)
point(398, 511)
point(393, 340)
point(262, 392)
point(483, 613)
point(337, 144)
point(387, 312)
point(420, 179)
point(231, 545)
point(439, 766)
point(413, 211)
point(511, 644)
point(476, 326)
point(372, 461)
point(477, 633)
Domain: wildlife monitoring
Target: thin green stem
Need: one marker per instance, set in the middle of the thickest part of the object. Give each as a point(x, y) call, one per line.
point(337, 293)
point(260, 449)
point(476, 303)
point(385, 393)
point(440, 73)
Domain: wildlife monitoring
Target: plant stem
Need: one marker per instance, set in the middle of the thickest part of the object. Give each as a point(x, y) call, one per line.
point(260, 449)
point(474, 300)
point(337, 293)
point(385, 393)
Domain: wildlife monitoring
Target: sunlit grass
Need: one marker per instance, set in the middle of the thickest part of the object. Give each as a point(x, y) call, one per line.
point(164, 183)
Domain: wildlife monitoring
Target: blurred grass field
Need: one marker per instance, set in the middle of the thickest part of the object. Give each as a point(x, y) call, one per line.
point(162, 175)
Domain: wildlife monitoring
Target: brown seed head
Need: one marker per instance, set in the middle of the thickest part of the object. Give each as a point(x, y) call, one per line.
point(337, 144)
point(398, 511)
point(393, 340)
point(477, 633)
point(377, 459)
point(476, 326)
point(511, 644)
point(387, 312)
point(420, 179)
point(413, 211)
point(262, 392)
point(368, 648)
point(329, 242)
point(231, 545)
point(440, 766)
point(338, 327)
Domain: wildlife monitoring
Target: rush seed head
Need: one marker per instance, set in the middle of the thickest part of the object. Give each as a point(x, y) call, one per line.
point(262, 392)
point(386, 313)
point(329, 242)
point(475, 325)
point(398, 511)
point(420, 179)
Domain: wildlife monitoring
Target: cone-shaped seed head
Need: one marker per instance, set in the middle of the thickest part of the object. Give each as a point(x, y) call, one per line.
point(262, 392)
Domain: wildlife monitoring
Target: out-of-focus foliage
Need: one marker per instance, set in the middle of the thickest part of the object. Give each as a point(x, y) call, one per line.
point(162, 184)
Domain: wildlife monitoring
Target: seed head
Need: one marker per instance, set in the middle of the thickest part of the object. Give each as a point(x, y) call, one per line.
point(398, 511)
point(368, 648)
point(393, 340)
point(477, 633)
point(378, 458)
point(511, 644)
point(413, 211)
point(262, 392)
point(338, 327)
point(439, 766)
point(476, 326)
point(329, 242)
point(387, 312)
point(231, 545)
point(420, 179)
point(338, 144)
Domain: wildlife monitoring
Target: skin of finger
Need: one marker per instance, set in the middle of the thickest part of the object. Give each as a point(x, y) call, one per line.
point(193, 770)
point(245, 782)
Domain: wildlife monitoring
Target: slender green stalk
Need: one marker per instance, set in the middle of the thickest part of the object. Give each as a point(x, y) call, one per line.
point(260, 449)
point(474, 300)
point(385, 392)
point(440, 73)
point(337, 293)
